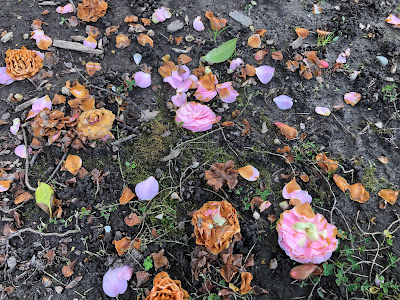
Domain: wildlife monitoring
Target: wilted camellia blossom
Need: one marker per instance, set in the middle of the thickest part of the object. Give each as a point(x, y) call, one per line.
point(91, 10)
point(206, 87)
point(181, 80)
point(265, 73)
point(142, 79)
point(115, 281)
point(96, 124)
point(306, 237)
point(38, 105)
point(215, 224)
point(198, 24)
point(195, 117)
point(147, 189)
point(165, 288)
point(226, 92)
point(160, 15)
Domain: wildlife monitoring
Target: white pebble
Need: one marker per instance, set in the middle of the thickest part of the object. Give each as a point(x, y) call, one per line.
point(256, 215)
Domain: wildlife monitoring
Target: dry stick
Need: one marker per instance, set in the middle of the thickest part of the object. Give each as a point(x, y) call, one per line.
point(19, 232)
point(27, 162)
point(130, 128)
point(57, 168)
point(76, 47)
point(123, 140)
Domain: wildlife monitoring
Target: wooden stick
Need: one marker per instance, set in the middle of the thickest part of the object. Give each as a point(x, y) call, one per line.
point(76, 47)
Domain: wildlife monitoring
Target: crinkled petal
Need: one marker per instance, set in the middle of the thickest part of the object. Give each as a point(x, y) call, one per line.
point(115, 281)
point(65, 9)
point(90, 42)
point(160, 15)
point(198, 24)
point(235, 63)
point(265, 73)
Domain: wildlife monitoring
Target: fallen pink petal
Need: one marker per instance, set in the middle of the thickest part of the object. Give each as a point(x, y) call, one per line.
point(142, 79)
point(65, 9)
point(283, 102)
point(160, 15)
point(90, 42)
point(323, 111)
point(393, 20)
point(115, 281)
point(265, 73)
point(15, 126)
point(179, 99)
point(226, 92)
point(265, 205)
point(39, 105)
point(198, 24)
point(147, 189)
point(235, 63)
point(21, 151)
point(342, 58)
point(352, 98)
point(181, 80)
point(249, 173)
point(4, 77)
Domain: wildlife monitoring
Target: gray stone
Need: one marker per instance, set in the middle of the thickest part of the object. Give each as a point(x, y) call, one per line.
point(241, 18)
point(12, 262)
point(175, 26)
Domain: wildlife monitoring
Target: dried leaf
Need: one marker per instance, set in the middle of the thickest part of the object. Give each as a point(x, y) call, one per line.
point(73, 163)
point(122, 245)
point(141, 277)
point(132, 219)
point(222, 174)
point(183, 59)
point(341, 183)
point(389, 196)
point(22, 198)
point(245, 287)
point(74, 282)
point(289, 132)
point(160, 261)
point(147, 115)
point(277, 55)
point(228, 271)
point(144, 39)
point(302, 32)
point(358, 193)
point(127, 195)
point(68, 270)
point(50, 257)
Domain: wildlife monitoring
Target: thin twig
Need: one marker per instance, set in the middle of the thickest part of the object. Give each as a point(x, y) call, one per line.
point(123, 140)
point(57, 168)
point(27, 162)
point(19, 232)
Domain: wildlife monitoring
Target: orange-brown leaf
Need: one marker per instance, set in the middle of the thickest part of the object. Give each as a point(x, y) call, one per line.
point(245, 287)
point(68, 270)
point(341, 183)
point(127, 195)
point(277, 55)
point(144, 39)
point(358, 193)
point(132, 219)
point(122, 245)
point(289, 132)
point(302, 32)
point(389, 196)
point(22, 198)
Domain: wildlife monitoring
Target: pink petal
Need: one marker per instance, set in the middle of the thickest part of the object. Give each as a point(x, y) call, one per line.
point(39, 105)
point(4, 77)
point(90, 42)
point(15, 126)
point(393, 19)
point(147, 189)
point(264, 205)
point(198, 24)
point(124, 273)
point(142, 79)
point(283, 102)
point(179, 99)
point(37, 34)
point(323, 111)
point(226, 92)
point(265, 73)
point(160, 15)
point(352, 98)
point(323, 64)
point(41, 55)
point(115, 281)
point(235, 63)
point(301, 195)
point(21, 151)
point(65, 9)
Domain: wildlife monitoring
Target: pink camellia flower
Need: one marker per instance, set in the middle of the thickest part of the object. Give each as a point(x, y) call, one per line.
point(226, 92)
point(179, 99)
point(38, 105)
point(142, 79)
point(90, 42)
point(21, 151)
point(160, 15)
point(147, 189)
point(235, 63)
point(265, 73)
point(15, 126)
point(392, 19)
point(42, 41)
point(65, 9)
point(181, 80)
point(306, 237)
point(198, 24)
point(115, 281)
point(294, 192)
point(352, 98)
point(206, 88)
point(195, 117)
point(4, 77)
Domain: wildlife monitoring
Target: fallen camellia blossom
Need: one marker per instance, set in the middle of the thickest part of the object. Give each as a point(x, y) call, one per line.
point(115, 281)
point(358, 193)
point(306, 237)
point(249, 173)
point(352, 98)
point(127, 195)
point(122, 41)
point(42, 41)
point(254, 41)
point(393, 20)
point(302, 272)
point(90, 42)
point(389, 196)
point(289, 132)
point(160, 15)
point(226, 92)
point(327, 165)
point(245, 287)
point(179, 99)
point(294, 192)
point(235, 63)
point(180, 77)
point(206, 87)
point(96, 124)
point(216, 24)
point(73, 163)
point(147, 189)
point(92, 68)
point(323, 111)
point(65, 9)
point(195, 117)
point(50, 123)
point(265, 73)
point(38, 105)
point(91, 10)
point(20, 64)
point(142, 79)
point(215, 224)
point(283, 102)
point(21, 151)
point(15, 126)
point(198, 24)
point(166, 288)
point(222, 174)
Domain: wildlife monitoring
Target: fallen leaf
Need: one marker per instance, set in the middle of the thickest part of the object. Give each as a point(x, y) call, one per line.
point(132, 219)
point(122, 245)
point(327, 165)
point(341, 183)
point(22, 198)
point(50, 257)
point(144, 39)
point(277, 55)
point(358, 193)
point(141, 277)
point(222, 174)
point(127, 195)
point(302, 32)
point(389, 196)
point(183, 59)
point(68, 270)
point(289, 132)
point(58, 99)
point(147, 115)
point(228, 271)
point(245, 287)
point(160, 261)
point(383, 159)
point(74, 282)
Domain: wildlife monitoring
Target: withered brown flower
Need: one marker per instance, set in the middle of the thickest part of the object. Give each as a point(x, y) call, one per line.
point(164, 288)
point(22, 63)
point(91, 10)
point(222, 174)
point(49, 123)
point(96, 124)
point(215, 224)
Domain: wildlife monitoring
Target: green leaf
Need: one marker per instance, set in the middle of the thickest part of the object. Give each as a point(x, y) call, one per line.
point(148, 263)
point(44, 195)
point(222, 53)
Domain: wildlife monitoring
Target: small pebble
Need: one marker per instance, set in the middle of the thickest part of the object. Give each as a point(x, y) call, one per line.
point(256, 215)
point(383, 61)
point(277, 142)
point(195, 165)
point(8, 36)
point(273, 264)
point(107, 229)
point(25, 36)
point(302, 126)
point(58, 289)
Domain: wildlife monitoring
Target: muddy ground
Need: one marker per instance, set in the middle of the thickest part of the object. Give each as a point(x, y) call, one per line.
point(353, 136)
